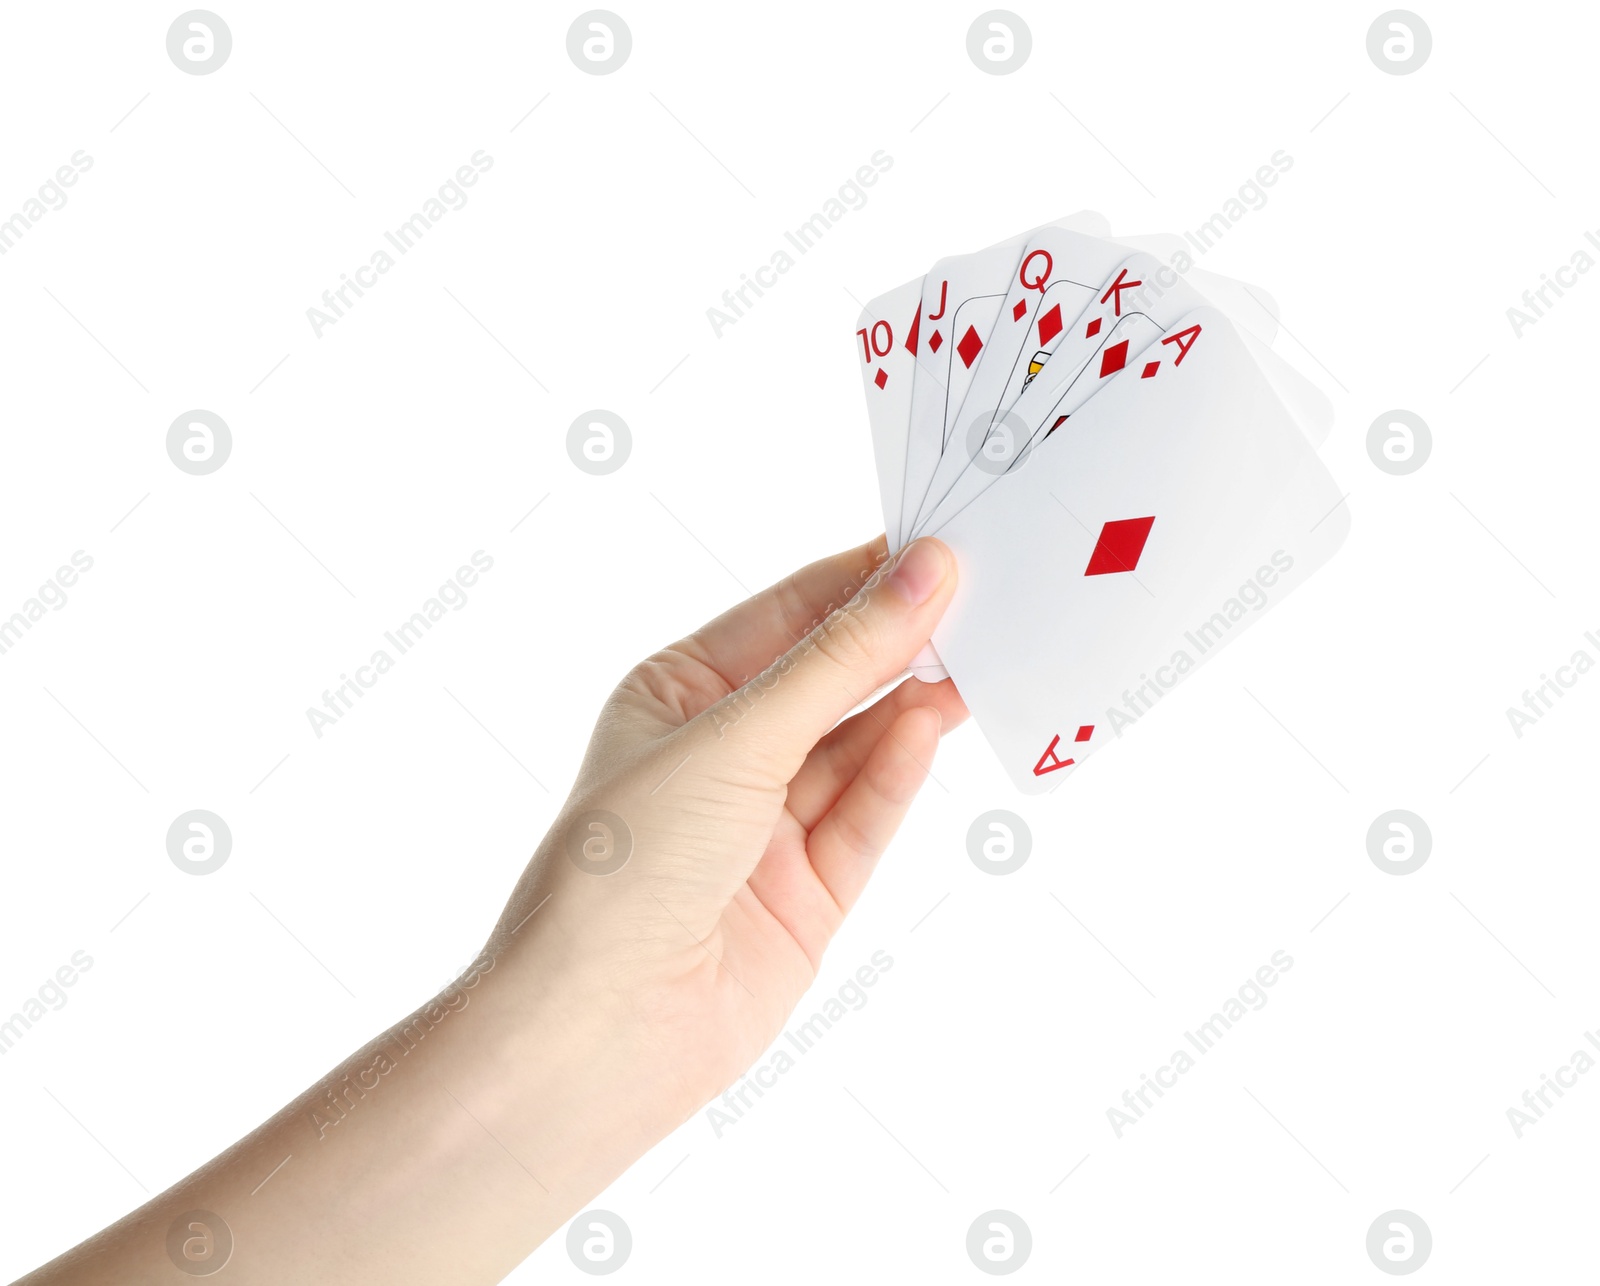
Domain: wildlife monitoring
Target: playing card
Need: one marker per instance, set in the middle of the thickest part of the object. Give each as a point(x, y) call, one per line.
point(888, 358)
point(960, 299)
point(1094, 572)
point(1045, 316)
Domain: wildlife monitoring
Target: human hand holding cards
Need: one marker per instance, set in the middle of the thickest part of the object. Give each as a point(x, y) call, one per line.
point(1110, 455)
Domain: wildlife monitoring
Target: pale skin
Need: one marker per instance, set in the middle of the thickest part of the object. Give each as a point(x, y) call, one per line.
point(605, 1009)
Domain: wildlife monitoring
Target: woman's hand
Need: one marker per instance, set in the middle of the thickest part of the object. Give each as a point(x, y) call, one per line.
point(721, 827)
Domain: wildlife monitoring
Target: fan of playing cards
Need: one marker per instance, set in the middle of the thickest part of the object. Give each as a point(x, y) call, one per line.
point(1125, 470)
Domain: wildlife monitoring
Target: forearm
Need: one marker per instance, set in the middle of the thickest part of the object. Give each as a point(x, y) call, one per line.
point(444, 1151)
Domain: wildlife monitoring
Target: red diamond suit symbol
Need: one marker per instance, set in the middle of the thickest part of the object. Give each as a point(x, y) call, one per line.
point(1114, 359)
point(1050, 325)
point(1120, 546)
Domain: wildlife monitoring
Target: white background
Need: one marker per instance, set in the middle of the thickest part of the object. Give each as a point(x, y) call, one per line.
point(425, 424)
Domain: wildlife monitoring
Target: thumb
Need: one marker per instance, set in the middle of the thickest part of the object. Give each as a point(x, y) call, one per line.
point(776, 718)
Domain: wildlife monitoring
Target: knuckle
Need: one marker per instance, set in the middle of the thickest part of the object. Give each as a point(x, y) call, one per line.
point(853, 838)
point(792, 602)
point(846, 639)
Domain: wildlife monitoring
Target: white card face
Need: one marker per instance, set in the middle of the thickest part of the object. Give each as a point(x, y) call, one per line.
point(887, 366)
point(1128, 310)
point(1085, 572)
point(972, 323)
point(960, 298)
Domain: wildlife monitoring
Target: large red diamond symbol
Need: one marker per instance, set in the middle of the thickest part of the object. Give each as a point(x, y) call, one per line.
point(1022, 307)
point(1114, 359)
point(881, 378)
point(936, 340)
point(1050, 325)
point(1120, 545)
point(970, 346)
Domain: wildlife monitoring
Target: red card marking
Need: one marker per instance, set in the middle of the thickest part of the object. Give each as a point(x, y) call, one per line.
point(970, 346)
point(1114, 359)
point(1050, 325)
point(935, 341)
point(911, 337)
point(1092, 329)
point(1120, 546)
point(1184, 344)
point(1116, 288)
point(1049, 761)
point(881, 378)
point(1019, 310)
